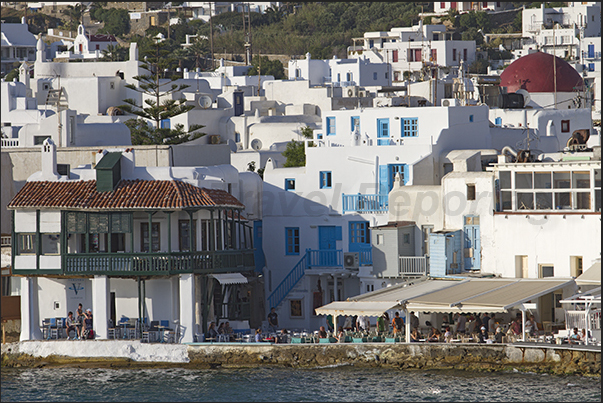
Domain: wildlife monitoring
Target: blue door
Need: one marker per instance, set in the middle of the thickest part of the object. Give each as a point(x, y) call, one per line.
point(472, 243)
point(591, 51)
point(327, 236)
point(382, 132)
point(387, 176)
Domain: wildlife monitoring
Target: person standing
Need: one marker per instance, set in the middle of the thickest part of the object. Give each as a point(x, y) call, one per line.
point(414, 321)
point(397, 323)
point(492, 324)
point(273, 320)
point(347, 324)
point(486, 321)
point(330, 323)
point(460, 324)
point(381, 324)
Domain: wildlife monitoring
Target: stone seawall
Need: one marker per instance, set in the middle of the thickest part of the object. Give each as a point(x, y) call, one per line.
point(554, 359)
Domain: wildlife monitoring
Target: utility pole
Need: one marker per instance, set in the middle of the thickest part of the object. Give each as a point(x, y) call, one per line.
point(211, 36)
point(554, 67)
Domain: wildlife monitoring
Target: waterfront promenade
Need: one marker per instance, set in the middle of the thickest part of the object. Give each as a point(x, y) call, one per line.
point(535, 357)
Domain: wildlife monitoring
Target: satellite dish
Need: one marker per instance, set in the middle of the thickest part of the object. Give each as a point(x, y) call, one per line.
point(526, 96)
point(232, 145)
point(205, 101)
point(256, 144)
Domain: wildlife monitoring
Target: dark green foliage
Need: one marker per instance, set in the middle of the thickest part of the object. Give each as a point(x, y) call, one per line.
point(263, 66)
point(14, 73)
point(74, 14)
point(157, 57)
point(117, 21)
point(480, 66)
point(472, 34)
point(295, 154)
point(114, 53)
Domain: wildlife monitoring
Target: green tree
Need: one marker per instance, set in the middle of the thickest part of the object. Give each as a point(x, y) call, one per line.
point(117, 21)
point(74, 14)
point(114, 53)
point(198, 49)
point(261, 65)
point(295, 154)
point(153, 109)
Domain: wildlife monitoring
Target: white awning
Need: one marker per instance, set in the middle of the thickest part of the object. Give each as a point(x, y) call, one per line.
point(486, 295)
point(591, 276)
point(230, 278)
point(376, 302)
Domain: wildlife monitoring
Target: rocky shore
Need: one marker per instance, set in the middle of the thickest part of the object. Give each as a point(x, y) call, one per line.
point(543, 358)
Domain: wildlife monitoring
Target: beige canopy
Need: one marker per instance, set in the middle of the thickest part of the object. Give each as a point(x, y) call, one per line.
point(591, 276)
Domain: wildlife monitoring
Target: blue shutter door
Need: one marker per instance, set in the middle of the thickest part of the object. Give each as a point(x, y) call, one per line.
point(326, 244)
point(383, 179)
point(437, 255)
point(591, 50)
point(383, 132)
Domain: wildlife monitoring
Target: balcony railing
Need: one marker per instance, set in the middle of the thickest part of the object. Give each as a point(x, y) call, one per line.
point(157, 263)
point(325, 258)
point(413, 265)
point(365, 203)
point(6, 143)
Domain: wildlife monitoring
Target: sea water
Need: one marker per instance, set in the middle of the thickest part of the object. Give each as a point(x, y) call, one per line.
point(269, 384)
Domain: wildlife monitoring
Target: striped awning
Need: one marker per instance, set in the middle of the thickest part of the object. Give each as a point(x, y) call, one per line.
point(230, 278)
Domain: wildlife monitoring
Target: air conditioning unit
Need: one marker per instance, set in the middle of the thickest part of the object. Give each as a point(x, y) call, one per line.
point(450, 102)
point(351, 260)
point(363, 94)
point(214, 139)
point(256, 144)
point(350, 92)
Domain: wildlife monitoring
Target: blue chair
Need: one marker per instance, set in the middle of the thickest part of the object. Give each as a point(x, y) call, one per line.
point(54, 329)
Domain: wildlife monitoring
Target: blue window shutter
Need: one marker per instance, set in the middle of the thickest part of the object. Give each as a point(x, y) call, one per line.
point(338, 233)
point(498, 121)
point(406, 173)
point(383, 179)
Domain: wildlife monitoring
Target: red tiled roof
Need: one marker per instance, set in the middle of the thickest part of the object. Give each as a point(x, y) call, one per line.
point(129, 194)
point(101, 38)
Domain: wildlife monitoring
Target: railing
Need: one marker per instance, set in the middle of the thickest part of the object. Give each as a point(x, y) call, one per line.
point(365, 255)
point(5, 240)
point(413, 265)
point(281, 291)
point(157, 263)
point(10, 143)
point(324, 258)
point(368, 203)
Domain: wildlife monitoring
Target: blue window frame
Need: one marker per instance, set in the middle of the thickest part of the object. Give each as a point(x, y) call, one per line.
point(165, 123)
point(355, 123)
point(410, 127)
point(591, 67)
point(383, 132)
point(374, 76)
point(325, 179)
point(471, 118)
point(359, 235)
point(330, 126)
point(319, 136)
point(292, 240)
point(498, 121)
point(289, 184)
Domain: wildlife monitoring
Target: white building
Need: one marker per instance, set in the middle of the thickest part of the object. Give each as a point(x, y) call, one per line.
point(182, 207)
point(584, 19)
point(414, 49)
point(204, 10)
point(88, 46)
point(17, 44)
point(441, 7)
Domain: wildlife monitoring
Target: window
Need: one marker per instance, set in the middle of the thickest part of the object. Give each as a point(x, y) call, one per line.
point(184, 235)
point(289, 184)
point(296, 308)
point(465, 54)
point(112, 85)
point(375, 76)
point(565, 126)
point(575, 266)
point(591, 67)
point(394, 56)
point(292, 240)
point(547, 270)
point(498, 121)
point(165, 123)
point(442, 5)
point(406, 239)
point(410, 127)
point(370, 287)
point(359, 234)
point(355, 123)
point(26, 243)
point(50, 244)
point(330, 126)
point(325, 180)
point(39, 140)
point(379, 239)
point(453, 55)
point(470, 192)
point(144, 235)
point(434, 55)
point(471, 118)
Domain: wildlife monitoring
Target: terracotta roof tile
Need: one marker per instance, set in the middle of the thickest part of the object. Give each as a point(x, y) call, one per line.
point(129, 194)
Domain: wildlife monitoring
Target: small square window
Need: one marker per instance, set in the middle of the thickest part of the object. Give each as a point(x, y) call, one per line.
point(289, 184)
point(565, 126)
point(296, 308)
point(379, 239)
point(471, 192)
point(325, 180)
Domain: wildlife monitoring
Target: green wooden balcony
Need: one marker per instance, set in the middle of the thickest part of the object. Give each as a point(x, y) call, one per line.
point(157, 264)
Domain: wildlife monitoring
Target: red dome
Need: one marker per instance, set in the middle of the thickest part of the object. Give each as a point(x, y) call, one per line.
point(535, 73)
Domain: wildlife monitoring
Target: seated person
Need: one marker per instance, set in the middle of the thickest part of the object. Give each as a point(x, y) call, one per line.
point(212, 333)
point(322, 333)
point(340, 335)
point(482, 335)
point(575, 337)
point(228, 330)
point(414, 336)
point(434, 335)
point(283, 337)
point(498, 336)
point(258, 335)
point(448, 335)
point(70, 324)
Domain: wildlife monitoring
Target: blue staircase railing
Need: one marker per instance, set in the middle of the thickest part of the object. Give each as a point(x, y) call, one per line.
point(281, 291)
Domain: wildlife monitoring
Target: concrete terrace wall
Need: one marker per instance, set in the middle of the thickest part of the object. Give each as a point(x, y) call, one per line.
point(472, 357)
